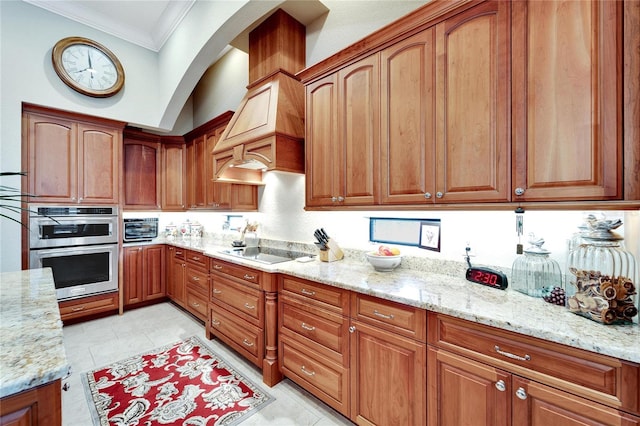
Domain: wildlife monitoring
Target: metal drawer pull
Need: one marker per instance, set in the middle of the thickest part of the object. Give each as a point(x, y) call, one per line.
point(218, 267)
point(512, 356)
point(214, 322)
point(195, 278)
point(249, 277)
point(196, 258)
point(247, 343)
point(376, 313)
point(216, 291)
point(79, 308)
point(500, 385)
point(521, 393)
point(195, 305)
point(307, 372)
point(307, 292)
point(248, 306)
point(308, 327)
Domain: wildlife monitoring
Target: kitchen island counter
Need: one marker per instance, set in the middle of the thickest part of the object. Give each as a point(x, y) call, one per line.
point(440, 286)
point(31, 346)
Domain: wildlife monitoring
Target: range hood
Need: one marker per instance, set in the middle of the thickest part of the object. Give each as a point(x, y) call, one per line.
point(267, 130)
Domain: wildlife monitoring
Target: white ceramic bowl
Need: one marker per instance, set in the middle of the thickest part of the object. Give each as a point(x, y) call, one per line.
point(383, 263)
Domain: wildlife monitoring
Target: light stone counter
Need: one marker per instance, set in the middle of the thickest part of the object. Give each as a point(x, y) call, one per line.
point(31, 348)
point(441, 287)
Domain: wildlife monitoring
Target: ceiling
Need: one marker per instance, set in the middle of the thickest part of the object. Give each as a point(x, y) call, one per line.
point(149, 23)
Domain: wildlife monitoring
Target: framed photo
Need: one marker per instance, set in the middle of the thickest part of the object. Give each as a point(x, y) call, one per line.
point(430, 235)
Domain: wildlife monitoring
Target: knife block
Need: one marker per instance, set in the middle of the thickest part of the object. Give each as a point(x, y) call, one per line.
point(332, 253)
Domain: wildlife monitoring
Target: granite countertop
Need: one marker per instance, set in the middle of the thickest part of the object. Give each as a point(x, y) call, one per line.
point(441, 287)
point(31, 348)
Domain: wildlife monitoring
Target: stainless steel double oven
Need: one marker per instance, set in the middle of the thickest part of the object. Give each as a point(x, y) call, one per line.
point(79, 243)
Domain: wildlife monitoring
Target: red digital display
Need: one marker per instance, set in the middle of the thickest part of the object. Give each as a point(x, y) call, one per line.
point(488, 277)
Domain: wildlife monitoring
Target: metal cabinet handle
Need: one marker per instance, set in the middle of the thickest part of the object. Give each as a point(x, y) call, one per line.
point(248, 306)
point(352, 329)
point(334, 199)
point(510, 355)
point(247, 343)
point(501, 386)
point(195, 305)
point(218, 267)
point(195, 278)
point(307, 372)
point(196, 258)
point(340, 199)
point(216, 291)
point(178, 251)
point(249, 277)
point(307, 327)
point(521, 393)
point(308, 292)
point(214, 322)
point(439, 194)
point(78, 308)
point(519, 191)
point(381, 315)
point(427, 195)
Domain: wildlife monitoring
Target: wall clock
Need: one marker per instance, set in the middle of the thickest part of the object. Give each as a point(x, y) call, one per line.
point(87, 67)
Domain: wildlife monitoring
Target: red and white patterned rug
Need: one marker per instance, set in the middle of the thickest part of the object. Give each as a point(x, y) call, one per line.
point(178, 384)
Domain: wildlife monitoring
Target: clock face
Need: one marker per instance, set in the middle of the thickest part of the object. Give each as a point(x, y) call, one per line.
point(87, 67)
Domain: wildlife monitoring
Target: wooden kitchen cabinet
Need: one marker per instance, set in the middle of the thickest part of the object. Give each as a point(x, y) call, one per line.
point(144, 274)
point(197, 284)
point(496, 377)
point(176, 275)
point(40, 406)
point(142, 171)
point(343, 135)
point(567, 100)
point(445, 111)
point(80, 309)
point(203, 191)
point(70, 159)
point(174, 165)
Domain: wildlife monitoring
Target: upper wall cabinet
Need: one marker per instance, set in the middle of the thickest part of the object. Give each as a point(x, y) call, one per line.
point(142, 171)
point(476, 104)
point(69, 158)
point(173, 174)
point(343, 135)
point(567, 100)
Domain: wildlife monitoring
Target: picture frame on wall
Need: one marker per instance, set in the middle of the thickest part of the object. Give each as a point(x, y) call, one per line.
point(430, 235)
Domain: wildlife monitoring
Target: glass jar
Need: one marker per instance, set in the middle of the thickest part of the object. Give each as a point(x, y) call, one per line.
point(537, 275)
point(603, 276)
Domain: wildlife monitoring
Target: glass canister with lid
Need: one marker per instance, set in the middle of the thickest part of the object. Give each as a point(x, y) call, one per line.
point(536, 274)
point(602, 276)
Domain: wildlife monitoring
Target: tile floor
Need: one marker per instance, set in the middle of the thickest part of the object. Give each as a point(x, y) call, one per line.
point(94, 344)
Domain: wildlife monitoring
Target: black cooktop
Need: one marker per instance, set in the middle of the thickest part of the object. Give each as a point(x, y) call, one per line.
point(265, 255)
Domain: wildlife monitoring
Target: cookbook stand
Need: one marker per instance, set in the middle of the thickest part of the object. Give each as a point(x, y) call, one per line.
point(332, 253)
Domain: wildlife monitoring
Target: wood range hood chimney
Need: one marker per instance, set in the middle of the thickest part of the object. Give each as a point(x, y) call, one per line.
point(267, 130)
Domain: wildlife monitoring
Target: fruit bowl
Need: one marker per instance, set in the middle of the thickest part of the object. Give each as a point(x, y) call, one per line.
point(382, 263)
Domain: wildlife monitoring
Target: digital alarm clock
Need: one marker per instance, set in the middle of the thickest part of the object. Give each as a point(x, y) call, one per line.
point(487, 276)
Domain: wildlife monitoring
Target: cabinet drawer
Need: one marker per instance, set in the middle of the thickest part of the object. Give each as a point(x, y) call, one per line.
point(320, 295)
point(198, 279)
point(326, 332)
point(88, 306)
point(602, 378)
point(180, 253)
point(241, 272)
point(237, 333)
point(326, 380)
point(198, 258)
point(402, 319)
point(239, 299)
point(196, 303)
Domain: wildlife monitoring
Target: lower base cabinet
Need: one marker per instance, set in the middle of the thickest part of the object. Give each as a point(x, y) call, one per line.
point(176, 275)
point(41, 406)
point(79, 309)
point(144, 274)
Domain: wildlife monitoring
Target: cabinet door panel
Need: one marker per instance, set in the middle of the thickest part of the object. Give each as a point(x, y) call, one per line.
point(472, 105)
point(154, 272)
point(388, 378)
point(540, 405)
point(407, 145)
point(358, 113)
point(464, 392)
point(141, 175)
point(132, 271)
point(98, 164)
point(566, 86)
point(320, 140)
point(52, 159)
point(173, 172)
